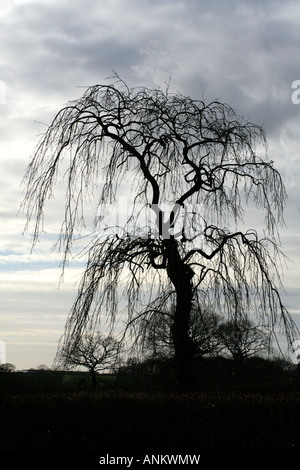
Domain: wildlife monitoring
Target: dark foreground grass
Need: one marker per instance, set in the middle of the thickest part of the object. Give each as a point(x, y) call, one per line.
point(150, 421)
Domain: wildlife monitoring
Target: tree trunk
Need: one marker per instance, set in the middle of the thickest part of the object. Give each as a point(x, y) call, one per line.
point(181, 275)
point(94, 378)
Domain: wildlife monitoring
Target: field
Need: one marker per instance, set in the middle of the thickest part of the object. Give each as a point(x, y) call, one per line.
point(48, 412)
point(150, 422)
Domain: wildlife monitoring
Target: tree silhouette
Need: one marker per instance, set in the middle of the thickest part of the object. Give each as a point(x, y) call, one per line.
point(7, 367)
point(190, 170)
point(242, 340)
point(95, 352)
point(155, 333)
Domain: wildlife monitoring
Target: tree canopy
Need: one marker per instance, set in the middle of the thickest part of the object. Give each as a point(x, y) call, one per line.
point(192, 173)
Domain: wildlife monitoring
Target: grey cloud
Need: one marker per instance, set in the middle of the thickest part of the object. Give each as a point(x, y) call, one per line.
point(228, 49)
point(55, 46)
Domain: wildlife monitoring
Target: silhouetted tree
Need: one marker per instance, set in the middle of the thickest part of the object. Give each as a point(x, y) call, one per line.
point(94, 352)
point(7, 367)
point(156, 333)
point(43, 368)
point(190, 169)
point(243, 339)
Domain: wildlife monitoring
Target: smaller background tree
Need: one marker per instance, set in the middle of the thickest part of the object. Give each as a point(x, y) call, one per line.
point(157, 338)
point(92, 351)
point(7, 367)
point(243, 339)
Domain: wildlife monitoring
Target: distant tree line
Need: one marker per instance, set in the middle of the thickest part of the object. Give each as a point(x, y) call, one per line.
point(211, 335)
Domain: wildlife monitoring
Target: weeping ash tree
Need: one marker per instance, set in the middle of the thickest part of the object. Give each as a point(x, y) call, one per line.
point(193, 180)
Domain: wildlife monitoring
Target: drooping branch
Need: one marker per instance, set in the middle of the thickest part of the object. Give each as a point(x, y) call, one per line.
point(196, 166)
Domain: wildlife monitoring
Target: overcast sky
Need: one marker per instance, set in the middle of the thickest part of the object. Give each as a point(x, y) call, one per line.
point(245, 53)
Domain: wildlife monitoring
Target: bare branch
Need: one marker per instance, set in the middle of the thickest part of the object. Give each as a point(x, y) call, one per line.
point(194, 157)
